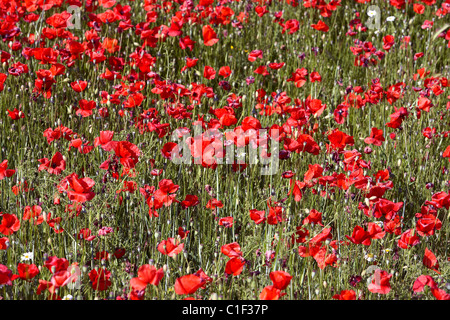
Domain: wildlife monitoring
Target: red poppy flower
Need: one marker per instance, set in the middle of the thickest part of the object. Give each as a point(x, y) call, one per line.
point(15, 114)
point(59, 20)
point(27, 271)
point(225, 71)
point(170, 247)
point(380, 282)
point(257, 215)
point(424, 104)
point(315, 76)
point(262, 70)
point(235, 266)
point(297, 189)
point(100, 279)
point(183, 233)
point(313, 217)
point(280, 279)
point(227, 222)
point(427, 225)
point(418, 8)
point(127, 152)
point(6, 276)
point(209, 73)
point(430, 261)
point(321, 26)
point(388, 42)
point(55, 264)
point(2, 81)
point(360, 236)
point(209, 36)
point(376, 137)
point(81, 188)
point(5, 173)
point(189, 64)
point(298, 77)
point(85, 234)
point(169, 150)
point(165, 195)
point(189, 201)
point(78, 86)
point(104, 139)
point(34, 213)
point(54, 166)
point(254, 55)
point(422, 281)
point(214, 203)
point(340, 139)
point(314, 171)
point(397, 117)
point(440, 294)
point(345, 295)
point(276, 66)
point(408, 239)
point(4, 243)
point(10, 224)
point(231, 250)
point(300, 235)
point(270, 293)
point(147, 274)
point(446, 154)
point(85, 108)
point(43, 284)
point(186, 42)
point(188, 284)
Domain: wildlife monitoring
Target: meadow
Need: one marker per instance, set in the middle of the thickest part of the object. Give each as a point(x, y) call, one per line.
point(346, 101)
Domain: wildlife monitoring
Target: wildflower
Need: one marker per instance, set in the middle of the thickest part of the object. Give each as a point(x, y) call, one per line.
point(27, 256)
point(370, 257)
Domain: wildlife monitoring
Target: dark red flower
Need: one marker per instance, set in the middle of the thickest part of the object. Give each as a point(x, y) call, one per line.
point(100, 279)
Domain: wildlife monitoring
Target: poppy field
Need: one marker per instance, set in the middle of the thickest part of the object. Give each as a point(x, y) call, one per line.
point(224, 149)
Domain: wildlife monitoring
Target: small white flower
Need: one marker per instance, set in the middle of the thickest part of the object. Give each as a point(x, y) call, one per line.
point(27, 256)
point(370, 257)
point(390, 19)
point(371, 13)
point(68, 297)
